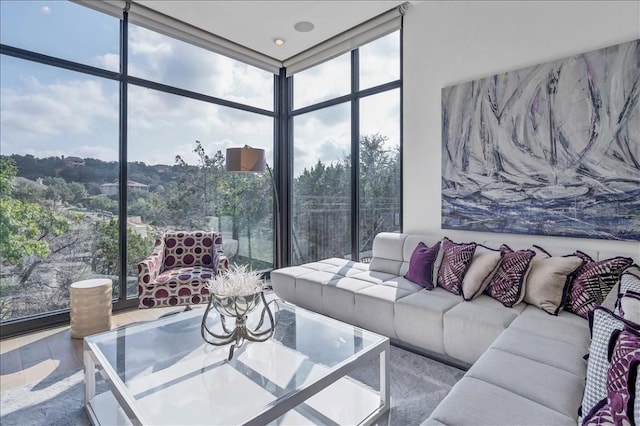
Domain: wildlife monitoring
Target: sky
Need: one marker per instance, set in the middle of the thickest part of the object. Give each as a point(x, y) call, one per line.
point(47, 111)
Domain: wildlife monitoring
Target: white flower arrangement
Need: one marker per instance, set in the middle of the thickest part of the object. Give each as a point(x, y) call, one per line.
point(238, 281)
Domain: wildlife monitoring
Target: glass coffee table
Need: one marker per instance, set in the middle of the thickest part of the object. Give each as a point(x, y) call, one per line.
point(162, 372)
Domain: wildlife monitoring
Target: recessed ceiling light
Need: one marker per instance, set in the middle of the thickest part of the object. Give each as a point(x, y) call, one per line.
point(304, 26)
point(278, 41)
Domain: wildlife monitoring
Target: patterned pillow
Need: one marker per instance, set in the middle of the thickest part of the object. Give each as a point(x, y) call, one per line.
point(507, 285)
point(455, 261)
point(618, 407)
point(628, 306)
point(421, 265)
point(549, 279)
point(483, 266)
point(603, 324)
point(629, 282)
point(592, 282)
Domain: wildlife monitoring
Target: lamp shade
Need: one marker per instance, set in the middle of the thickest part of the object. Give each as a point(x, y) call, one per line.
point(245, 159)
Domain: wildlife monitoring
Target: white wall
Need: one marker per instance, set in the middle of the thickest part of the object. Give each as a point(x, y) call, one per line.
point(446, 43)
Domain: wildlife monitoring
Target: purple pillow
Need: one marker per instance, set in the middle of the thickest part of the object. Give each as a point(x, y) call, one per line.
point(592, 282)
point(507, 285)
point(421, 265)
point(455, 262)
point(617, 408)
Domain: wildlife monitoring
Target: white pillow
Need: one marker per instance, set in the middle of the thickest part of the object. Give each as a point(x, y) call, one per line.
point(483, 266)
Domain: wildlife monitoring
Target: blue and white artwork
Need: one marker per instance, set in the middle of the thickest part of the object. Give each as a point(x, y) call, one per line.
point(552, 149)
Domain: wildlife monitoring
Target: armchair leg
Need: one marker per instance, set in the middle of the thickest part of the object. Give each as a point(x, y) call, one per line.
point(187, 308)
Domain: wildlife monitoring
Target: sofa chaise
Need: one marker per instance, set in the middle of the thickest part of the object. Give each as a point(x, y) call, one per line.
point(525, 365)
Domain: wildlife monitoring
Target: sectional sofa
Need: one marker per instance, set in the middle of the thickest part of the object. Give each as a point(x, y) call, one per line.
point(525, 365)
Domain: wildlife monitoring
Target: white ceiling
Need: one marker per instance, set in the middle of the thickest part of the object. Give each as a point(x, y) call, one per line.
point(254, 24)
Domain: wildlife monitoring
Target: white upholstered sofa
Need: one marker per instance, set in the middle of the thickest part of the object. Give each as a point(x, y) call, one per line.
point(525, 366)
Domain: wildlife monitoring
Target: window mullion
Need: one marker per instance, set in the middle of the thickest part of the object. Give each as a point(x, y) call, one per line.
point(355, 156)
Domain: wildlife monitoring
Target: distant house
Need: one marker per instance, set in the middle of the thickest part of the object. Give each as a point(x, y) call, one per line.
point(73, 162)
point(112, 188)
point(161, 168)
point(37, 184)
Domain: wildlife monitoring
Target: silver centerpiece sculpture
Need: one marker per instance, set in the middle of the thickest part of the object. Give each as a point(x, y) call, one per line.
point(234, 295)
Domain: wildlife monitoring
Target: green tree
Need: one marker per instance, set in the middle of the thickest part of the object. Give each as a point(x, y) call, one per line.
point(24, 225)
point(106, 250)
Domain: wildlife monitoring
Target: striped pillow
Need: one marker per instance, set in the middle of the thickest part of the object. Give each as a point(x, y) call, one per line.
point(455, 262)
point(593, 281)
point(507, 285)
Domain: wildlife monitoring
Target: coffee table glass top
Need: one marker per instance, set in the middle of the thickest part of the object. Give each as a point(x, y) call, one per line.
point(171, 376)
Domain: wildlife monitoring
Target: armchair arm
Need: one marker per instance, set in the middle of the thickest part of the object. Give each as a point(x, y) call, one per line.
point(151, 267)
point(223, 263)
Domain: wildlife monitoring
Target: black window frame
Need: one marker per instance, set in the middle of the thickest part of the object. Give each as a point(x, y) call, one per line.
point(283, 116)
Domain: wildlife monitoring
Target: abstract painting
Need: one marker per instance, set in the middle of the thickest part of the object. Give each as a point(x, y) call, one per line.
point(551, 149)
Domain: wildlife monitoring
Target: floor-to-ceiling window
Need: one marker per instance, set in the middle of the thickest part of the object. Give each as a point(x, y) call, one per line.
point(348, 105)
point(176, 142)
point(83, 112)
point(59, 142)
point(63, 140)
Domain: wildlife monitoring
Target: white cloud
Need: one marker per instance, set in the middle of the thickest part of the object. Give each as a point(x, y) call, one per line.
point(100, 152)
point(322, 82)
point(110, 61)
point(45, 10)
point(64, 113)
point(79, 116)
point(169, 61)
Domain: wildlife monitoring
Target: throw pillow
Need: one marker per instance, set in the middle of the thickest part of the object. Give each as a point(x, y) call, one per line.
point(629, 280)
point(628, 306)
point(483, 266)
point(603, 324)
point(507, 285)
point(455, 261)
point(618, 407)
point(421, 265)
point(592, 282)
point(548, 280)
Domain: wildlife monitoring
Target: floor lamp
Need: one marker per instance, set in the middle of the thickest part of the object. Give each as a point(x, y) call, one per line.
point(248, 159)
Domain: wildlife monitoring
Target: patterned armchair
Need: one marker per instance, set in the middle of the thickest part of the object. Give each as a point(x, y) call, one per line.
point(177, 270)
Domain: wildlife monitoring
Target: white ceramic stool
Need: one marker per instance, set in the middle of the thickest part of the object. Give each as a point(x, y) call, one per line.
point(90, 307)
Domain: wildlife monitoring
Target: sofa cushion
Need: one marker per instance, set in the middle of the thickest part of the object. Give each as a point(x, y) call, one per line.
point(553, 352)
point(483, 266)
point(418, 318)
point(375, 308)
point(197, 275)
point(474, 401)
point(471, 327)
point(309, 289)
point(177, 286)
point(507, 285)
point(548, 280)
point(283, 281)
point(387, 252)
point(338, 298)
point(456, 258)
point(593, 281)
point(566, 327)
point(377, 277)
point(551, 387)
point(421, 265)
point(620, 403)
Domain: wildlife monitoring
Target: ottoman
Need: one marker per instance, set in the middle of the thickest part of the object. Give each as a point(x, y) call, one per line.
point(90, 307)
